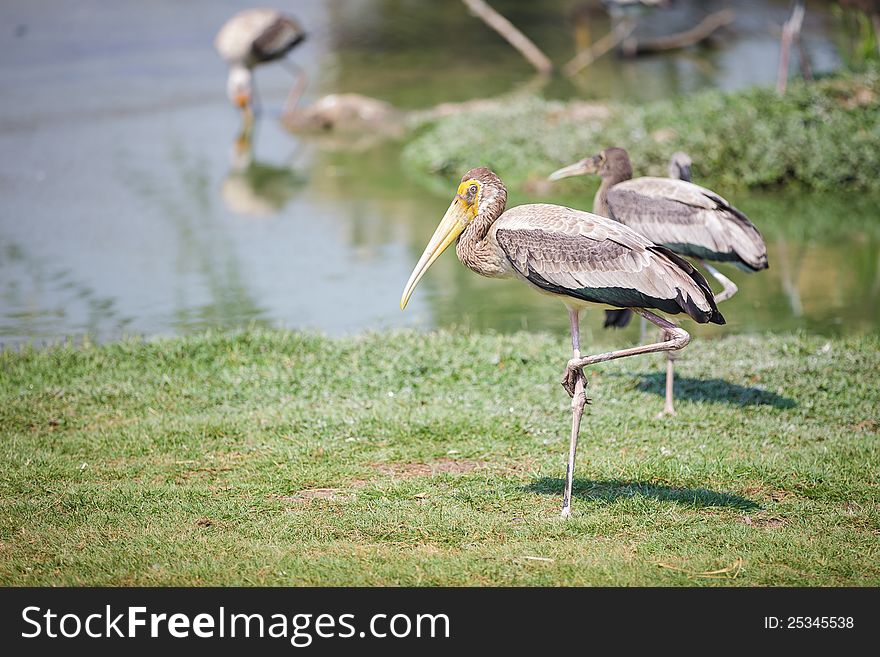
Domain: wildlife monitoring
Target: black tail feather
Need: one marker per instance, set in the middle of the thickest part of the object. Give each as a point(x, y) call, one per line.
point(687, 305)
point(617, 318)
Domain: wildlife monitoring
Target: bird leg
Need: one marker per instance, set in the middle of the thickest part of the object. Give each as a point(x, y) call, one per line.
point(572, 375)
point(729, 290)
point(245, 135)
point(578, 401)
point(676, 338)
point(668, 408)
point(296, 91)
point(256, 106)
point(730, 287)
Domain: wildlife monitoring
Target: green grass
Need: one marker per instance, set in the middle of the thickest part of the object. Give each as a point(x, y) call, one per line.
point(821, 135)
point(201, 460)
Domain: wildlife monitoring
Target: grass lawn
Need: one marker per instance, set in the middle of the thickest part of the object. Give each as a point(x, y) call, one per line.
point(271, 457)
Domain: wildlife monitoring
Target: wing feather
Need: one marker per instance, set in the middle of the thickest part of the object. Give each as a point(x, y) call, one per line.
point(277, 39)
point(595, 259)
point(688, 219)
point(257, 35)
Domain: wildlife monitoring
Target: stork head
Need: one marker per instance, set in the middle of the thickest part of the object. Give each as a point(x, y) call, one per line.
point(611, 163)
point(480, 194)
point(680, 166)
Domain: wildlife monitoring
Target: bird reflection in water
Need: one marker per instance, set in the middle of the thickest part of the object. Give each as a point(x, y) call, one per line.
point(257, 189)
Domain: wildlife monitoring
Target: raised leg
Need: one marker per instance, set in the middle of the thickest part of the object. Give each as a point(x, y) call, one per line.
point(643, 329)
point(578, 401)
point(676, 338)
point(730, 287)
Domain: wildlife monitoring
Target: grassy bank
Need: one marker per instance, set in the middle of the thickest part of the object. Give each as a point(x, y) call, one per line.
point(822, 135)
point(403, 458)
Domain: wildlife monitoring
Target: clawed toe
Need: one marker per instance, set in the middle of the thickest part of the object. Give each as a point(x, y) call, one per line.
point(570, 379)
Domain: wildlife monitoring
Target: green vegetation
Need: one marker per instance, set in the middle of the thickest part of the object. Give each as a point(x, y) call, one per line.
point(822, 135)
point(429, 459)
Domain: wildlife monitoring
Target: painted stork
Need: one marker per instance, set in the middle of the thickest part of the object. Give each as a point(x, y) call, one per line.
point(250, 38)
point(581, 258)
point(687, 219)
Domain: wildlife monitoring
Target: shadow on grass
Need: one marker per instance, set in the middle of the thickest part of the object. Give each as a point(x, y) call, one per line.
point(714, 390)
point(613, 490)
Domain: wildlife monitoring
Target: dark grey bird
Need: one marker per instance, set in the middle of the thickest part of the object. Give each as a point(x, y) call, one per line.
point(580, 258)
point(687, 219)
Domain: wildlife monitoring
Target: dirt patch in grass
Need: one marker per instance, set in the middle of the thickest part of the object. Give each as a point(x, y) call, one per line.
point(774, 495)
point(442, 466)
point(311, 494)
point(870, 426)
point(764, 522)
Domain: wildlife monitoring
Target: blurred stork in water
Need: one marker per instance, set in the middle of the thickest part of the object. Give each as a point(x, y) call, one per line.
point(250, 38)
point(673, 212)
point(581, 259)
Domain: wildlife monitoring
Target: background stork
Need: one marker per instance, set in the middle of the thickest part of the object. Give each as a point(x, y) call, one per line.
point(686, 218)
point(250, 38)
point(581, 258)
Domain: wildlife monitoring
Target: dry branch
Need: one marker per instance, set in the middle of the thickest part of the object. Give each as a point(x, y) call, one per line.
point(586, 57)
point(512, 35)
point(699, 32)
point(790, 32)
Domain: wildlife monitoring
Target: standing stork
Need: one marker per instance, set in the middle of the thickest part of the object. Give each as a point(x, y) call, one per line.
point(685, 218)
point(250, 38)
point(578, 257)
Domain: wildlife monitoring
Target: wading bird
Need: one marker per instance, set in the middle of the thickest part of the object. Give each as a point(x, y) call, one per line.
point(250, 38)
point(580, 258)
point(685, 218)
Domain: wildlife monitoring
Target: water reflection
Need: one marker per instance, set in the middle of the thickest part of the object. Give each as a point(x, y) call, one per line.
point(42, 300)
point(204, 251)
point(122, 212)
point(258, 189)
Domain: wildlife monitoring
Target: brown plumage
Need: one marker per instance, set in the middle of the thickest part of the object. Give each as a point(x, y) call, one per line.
point(686, 218)
point(587, 258)
point(578, 255)
point(689, 219)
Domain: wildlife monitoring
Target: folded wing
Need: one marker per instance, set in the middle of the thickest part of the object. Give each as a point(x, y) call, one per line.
point(591, 258)
point(689, 219)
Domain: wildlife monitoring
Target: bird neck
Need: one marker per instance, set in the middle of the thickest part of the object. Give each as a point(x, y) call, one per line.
point(475, 249)
point(600, 201)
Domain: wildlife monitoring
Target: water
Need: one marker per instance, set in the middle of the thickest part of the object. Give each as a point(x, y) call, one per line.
point(122, 213)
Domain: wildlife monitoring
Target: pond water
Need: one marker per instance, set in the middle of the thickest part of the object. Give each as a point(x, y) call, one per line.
point(122, 213)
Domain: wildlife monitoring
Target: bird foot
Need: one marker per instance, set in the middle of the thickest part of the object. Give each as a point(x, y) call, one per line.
point(570, 379)
point(666, 412)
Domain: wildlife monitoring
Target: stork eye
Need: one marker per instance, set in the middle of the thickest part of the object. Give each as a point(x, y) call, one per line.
point(472, 190)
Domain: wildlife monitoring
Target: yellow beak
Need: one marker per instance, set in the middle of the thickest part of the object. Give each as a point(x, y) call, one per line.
point(453, 223)
point(585, 166)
